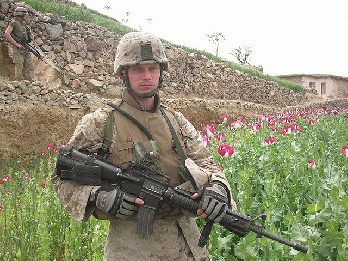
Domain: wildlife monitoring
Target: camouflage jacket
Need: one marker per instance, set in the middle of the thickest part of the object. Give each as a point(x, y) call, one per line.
point(89, 135)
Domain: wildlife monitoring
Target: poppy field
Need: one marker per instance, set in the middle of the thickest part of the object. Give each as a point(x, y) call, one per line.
point(291, 166)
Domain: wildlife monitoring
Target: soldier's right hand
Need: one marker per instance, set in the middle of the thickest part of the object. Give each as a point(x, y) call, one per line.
point(19, 46)
point(112, 200)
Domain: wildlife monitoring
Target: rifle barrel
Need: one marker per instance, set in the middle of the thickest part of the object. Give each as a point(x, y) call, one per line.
point(284, 241)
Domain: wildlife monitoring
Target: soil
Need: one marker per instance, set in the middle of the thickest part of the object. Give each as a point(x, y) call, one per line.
point(25, 130)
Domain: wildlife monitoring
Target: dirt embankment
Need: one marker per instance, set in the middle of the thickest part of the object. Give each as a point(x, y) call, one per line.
point(25, 130)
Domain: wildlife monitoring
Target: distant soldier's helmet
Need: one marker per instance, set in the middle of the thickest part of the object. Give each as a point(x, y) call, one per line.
point(20, 11)
point(139, 47)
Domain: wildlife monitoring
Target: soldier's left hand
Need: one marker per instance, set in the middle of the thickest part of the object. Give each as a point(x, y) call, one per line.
point(214, 202)
point(200, 212)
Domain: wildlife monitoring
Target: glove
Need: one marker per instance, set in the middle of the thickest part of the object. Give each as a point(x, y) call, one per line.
point(214, 202)
point(112, 200)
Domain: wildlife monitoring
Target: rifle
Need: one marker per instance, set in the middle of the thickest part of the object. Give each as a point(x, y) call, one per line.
point(28, 47)
point(141, 180)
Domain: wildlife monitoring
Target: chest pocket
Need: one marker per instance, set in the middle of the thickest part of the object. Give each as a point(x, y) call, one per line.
point(130, 142)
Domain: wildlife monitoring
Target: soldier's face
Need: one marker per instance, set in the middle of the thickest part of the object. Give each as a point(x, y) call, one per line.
point(144, 78)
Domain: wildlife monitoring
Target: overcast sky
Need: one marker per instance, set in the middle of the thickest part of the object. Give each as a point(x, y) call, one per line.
point(286, 37)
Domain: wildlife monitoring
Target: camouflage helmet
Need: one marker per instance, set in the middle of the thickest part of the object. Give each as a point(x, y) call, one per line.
point(20, 11)
point(137, 47)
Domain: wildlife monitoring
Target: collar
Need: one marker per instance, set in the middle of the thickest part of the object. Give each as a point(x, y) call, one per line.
point(131, 101)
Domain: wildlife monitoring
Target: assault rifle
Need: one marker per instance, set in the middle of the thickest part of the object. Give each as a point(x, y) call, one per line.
point(151, 185)
point(28, 47)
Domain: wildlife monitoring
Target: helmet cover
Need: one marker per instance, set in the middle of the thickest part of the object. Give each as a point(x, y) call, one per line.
point(139, 47)
point(20, 11)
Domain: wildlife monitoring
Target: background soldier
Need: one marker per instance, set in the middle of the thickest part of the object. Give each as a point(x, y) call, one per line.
point(140, 62)
point(22, 58)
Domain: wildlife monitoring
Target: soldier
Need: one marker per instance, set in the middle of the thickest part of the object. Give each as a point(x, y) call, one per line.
point(140, 62)
point(21, 57)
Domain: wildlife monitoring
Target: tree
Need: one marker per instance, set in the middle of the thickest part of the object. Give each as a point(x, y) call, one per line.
point(126, 20)
point(242, 54)
point(216, 38)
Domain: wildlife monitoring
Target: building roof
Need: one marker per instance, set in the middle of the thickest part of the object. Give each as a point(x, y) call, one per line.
point(314, 76)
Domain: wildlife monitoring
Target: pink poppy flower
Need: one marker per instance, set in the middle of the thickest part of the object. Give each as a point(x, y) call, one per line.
point(288, 128)
point(44, 185)
point(225, 150)
point(206, 141)
point(221, 136)
point(43, 153)
point(6, 178)
point(225, 117)
point(26, 176)
point(311, 122)
point(56, 149)
point(237, 124)
point(208, 130)
point(48, 147)
point(311, 164)
point(270, 140)
point(1, 208)
point(345, 151)
point(1, 182)
point(303, 115)
point(255, 128)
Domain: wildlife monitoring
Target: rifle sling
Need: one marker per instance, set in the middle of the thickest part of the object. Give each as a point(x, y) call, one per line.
point(180, 150)
point(141, 127)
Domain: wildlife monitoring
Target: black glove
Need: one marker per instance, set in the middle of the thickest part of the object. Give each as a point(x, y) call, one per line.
point(214, 201)
point(112, 200)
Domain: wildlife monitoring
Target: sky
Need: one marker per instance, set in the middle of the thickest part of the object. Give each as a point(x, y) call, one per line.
point(286, 37)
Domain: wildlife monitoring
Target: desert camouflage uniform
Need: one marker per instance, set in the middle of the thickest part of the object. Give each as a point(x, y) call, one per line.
point(175, 233)
point(23, 59)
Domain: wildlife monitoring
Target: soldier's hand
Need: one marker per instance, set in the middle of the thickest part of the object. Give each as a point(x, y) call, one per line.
point(214, 202)
point(19, 46)
point(200, 212)
point(112, 200)
point(139, 202)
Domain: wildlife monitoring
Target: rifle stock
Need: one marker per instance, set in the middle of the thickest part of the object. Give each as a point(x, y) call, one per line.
point(133, 181)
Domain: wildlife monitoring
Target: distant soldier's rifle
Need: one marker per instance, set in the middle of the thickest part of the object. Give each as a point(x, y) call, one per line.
point(28, 47)
point(151, 185)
